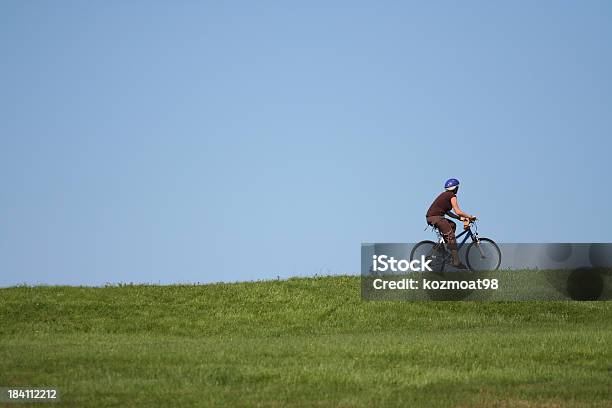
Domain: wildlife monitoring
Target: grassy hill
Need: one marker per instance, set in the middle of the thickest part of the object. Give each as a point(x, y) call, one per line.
point(301, 342)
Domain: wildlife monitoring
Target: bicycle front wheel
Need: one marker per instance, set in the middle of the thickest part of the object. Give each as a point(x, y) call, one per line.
point(483, 255)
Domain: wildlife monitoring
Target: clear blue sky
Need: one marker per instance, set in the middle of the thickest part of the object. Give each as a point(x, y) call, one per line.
point(145, 141)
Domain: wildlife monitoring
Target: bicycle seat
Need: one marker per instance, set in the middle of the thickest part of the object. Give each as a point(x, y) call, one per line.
point(433, 228)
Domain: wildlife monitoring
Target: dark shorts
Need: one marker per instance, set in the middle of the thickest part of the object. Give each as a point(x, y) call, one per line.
point(446, 227)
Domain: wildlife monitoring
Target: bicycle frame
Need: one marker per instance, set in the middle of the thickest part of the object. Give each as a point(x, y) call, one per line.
point(468, 234)
point(471, 232)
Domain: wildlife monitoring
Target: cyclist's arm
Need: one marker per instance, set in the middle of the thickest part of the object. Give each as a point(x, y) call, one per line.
point(453, 215)
point(457, 210)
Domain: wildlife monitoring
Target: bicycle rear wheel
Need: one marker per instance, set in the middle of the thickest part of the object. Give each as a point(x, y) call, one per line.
point(432, 251)
point(483, 255)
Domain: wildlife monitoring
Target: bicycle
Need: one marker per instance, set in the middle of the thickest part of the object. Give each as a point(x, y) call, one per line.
point(482, 254)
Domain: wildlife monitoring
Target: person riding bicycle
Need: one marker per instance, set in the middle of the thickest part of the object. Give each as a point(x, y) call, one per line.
point(441, 206)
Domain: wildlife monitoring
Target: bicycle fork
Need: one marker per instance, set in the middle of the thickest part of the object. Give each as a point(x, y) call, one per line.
point(477, 243)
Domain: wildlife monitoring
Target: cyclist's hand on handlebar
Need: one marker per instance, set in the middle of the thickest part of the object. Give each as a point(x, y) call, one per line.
point(467, 221)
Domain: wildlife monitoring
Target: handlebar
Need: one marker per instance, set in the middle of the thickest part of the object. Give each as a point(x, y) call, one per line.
point(468, 221)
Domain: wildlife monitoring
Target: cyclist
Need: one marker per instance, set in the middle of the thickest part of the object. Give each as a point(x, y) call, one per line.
point(441, 206)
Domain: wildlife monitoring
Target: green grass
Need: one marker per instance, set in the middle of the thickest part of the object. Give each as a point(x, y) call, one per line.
point(301, 342)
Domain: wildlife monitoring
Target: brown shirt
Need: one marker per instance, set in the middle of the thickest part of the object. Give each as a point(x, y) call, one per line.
point(441, 205)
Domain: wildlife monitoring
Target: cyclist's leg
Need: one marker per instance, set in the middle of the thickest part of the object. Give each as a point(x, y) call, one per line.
point(447, 228)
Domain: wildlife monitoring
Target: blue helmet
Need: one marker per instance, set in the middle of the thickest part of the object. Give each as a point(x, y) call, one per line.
point(451, 184)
